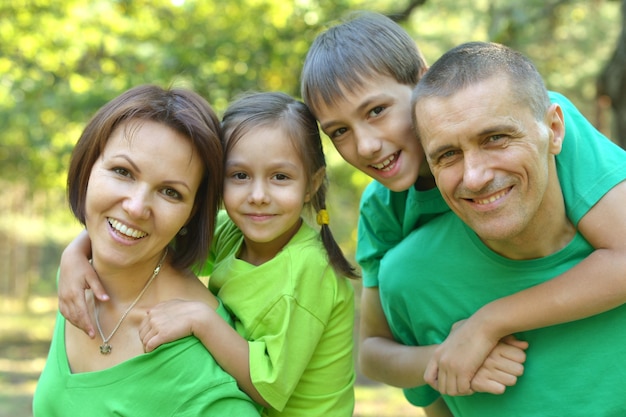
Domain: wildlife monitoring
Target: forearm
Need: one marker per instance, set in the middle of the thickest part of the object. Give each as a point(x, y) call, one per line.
point(595, 285)
point(231, 351)
point(387, 361)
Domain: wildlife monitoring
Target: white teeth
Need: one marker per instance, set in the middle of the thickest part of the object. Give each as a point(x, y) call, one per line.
point(490, 199)
point(384, 166)
point(125, 230)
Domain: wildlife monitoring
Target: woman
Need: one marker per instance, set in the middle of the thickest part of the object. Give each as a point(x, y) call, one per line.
point(145, 179)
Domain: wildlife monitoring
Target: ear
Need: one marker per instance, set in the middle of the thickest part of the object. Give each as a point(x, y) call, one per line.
point(554, 122)
point(316, 183)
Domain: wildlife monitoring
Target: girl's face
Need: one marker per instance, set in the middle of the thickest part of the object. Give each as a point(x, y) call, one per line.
point(265, 190)
point(141, 191)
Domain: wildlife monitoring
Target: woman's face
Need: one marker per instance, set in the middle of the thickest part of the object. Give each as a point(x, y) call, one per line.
point(141, 192)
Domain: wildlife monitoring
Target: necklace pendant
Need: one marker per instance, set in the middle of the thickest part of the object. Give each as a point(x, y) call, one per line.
point(105, 348)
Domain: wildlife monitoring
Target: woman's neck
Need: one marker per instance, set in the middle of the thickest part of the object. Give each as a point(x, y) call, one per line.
point(123, 284)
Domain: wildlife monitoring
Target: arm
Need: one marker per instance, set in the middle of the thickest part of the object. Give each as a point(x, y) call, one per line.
point(383, 359)
point(595, 285)
point(176, 319)
point(75, 276)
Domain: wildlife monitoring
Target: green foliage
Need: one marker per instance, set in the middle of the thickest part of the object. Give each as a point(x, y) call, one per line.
point(61, 60)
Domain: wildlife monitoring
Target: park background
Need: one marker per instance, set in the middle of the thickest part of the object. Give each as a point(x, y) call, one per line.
point(61, 60)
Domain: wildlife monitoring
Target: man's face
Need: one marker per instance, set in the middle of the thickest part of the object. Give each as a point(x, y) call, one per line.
point(492, 158)
point(372, 130)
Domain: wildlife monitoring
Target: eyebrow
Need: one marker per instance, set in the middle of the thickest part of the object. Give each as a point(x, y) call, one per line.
point(136, 168)
point(510, 128)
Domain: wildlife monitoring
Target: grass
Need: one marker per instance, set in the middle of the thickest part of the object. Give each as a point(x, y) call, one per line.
point(25, 338)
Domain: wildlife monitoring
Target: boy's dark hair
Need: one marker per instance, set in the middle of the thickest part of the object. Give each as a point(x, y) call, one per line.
point(186, 113)
point(363, 46)
point(252, 111)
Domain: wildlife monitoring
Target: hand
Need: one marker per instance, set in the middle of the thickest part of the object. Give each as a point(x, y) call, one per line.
point(171, 320)
point(502, 367)
point(75, 276)
point(469, 361)
point(456, 361)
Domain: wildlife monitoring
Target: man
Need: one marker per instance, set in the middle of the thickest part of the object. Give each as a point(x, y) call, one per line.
point(490, 135)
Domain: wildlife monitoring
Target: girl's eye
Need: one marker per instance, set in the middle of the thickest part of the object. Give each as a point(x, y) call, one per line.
point(239, 176)
point(172, 193)
point(281, 177)
point(338, 132)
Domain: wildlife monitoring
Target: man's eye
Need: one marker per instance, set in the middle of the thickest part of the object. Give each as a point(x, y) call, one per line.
point(447, 155)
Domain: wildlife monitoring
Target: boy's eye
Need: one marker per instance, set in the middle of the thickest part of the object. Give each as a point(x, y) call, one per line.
point(376, 110)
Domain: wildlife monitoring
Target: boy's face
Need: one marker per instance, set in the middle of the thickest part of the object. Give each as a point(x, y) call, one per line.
point(372, 130)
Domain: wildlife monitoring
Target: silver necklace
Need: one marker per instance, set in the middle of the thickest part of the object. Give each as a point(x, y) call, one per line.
point(105, 347)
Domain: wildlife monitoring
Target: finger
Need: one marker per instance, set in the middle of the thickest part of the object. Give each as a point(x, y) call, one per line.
point(480, 384)
point(513, 341)
point(513, 354)
point(75, 311)
point(96, 287)
point(504, 365)
point(430, 375)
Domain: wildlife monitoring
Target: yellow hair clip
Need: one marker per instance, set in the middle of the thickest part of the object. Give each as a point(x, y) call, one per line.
point(322, 217)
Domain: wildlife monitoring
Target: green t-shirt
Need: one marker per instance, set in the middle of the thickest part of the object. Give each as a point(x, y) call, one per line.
point(442, 273)
point(298, 317)
point(179, 379)
point(588, 166)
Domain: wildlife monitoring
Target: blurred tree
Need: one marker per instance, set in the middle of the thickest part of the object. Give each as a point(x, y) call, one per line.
point(60, 61)
point(612, 83)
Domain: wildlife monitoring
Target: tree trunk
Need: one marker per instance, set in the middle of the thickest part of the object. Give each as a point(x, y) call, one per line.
point(612, 84)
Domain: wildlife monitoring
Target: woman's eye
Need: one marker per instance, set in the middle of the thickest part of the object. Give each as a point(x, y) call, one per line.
point(172, 193)
point(121, 171)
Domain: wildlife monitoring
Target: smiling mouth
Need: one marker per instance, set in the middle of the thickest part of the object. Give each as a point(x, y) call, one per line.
point(491, 198)
point(125, 230)
point(387, 164)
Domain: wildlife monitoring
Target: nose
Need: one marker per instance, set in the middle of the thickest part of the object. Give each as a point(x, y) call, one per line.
point(258, 193)
point(477, 172)
point(368, 141)
point(138, 203)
